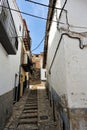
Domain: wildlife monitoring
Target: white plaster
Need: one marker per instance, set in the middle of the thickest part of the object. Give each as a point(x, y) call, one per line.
point(76, 70)
point(69, 70)
point(9, 64)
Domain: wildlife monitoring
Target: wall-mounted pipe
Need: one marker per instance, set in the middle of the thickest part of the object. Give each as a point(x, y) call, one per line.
point(81, 46)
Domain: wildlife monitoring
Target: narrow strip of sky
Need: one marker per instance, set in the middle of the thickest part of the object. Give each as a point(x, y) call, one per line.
point(36, 26)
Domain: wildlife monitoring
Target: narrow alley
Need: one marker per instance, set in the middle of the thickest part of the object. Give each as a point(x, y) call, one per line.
point(33, 111)
point(43, 64)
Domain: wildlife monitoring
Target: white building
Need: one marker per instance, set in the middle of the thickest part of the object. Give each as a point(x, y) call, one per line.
point(10, 54)
point(65, 44)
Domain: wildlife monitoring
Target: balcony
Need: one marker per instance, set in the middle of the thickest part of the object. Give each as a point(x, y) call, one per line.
point(26, 36)
point(26, 63)
point(26, 41)
point(8, 35)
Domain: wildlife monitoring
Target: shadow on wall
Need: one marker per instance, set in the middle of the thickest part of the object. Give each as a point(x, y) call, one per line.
point(6, 105)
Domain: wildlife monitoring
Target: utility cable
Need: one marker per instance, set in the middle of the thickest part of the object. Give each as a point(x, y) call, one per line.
point(48, 6)
point(28, 14)
point(62, 9)
point(38, 17)
point(38, 44)
point(61, 12)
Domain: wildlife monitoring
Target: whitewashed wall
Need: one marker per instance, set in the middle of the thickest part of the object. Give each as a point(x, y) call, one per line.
point(9, 64)
point(76, 70)
point(69, 71)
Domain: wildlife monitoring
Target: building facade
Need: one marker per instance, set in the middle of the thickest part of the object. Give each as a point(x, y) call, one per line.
point(66, 52)
point(35, 77)
point(11, 46)
point(26, 60)
point(38, 72)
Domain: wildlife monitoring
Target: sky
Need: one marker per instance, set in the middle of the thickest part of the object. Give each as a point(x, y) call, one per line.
point(35, 26)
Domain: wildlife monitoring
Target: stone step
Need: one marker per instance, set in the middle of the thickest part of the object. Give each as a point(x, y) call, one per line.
point(31, 105)
point(34, 97)
point(28, 121)
point(27, 127)
point(30, 108)
point(28, 116)
point(29, 111)
point(31, 100)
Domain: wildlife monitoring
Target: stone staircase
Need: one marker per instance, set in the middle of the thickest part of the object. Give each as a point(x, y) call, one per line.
point(29, 117)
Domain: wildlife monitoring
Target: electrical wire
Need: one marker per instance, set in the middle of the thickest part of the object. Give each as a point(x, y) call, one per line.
point(39, 44)
point(48, 6)
point(61, 12)
point(28, 14)
point(35, 16)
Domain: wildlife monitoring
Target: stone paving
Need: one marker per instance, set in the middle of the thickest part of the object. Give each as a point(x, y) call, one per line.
point(44, 113)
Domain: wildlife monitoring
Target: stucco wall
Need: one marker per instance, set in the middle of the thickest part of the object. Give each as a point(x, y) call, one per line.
point(69, 69)
point(5, 72)
point(58, 70)
point(9, 64)
point(76, 73)
point(6, 104)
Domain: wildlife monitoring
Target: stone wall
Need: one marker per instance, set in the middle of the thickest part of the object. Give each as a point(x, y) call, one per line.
point(78, 118)
point(66, 118)
point(60, 111)
point(35, 77)
point(6, 103)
